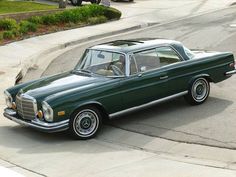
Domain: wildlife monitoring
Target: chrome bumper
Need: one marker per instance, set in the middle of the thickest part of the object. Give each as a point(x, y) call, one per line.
point(37, 124)
point(230, 73)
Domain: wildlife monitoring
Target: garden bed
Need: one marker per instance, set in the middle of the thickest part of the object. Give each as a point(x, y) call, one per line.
point(10, 30)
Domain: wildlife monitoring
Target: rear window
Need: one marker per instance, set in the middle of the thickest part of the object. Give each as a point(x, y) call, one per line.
point(189, 53)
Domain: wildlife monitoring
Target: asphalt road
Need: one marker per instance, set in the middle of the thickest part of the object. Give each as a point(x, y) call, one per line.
point(212, 123)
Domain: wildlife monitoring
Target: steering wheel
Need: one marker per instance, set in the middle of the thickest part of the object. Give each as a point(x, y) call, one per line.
point(116, 70)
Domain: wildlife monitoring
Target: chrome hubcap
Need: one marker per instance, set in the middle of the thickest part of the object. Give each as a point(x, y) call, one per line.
point(86, 123)
point(200, 90)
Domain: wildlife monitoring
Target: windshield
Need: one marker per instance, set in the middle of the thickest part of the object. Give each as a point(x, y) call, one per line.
point(102, 62)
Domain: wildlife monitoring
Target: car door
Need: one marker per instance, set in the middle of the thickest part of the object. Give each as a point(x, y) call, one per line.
point(176, 70)
point(147, 81)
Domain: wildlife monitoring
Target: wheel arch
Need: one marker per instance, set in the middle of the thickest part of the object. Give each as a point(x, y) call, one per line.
point(206, 76)
point(95, 104)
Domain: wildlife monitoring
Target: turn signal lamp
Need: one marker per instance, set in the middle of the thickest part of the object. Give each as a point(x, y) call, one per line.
point(40, 114)
point(13, 105)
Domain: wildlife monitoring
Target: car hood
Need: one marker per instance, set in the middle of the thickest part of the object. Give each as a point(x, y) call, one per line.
point(61, 82)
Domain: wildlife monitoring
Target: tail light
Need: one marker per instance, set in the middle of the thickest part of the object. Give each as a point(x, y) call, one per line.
point(232, 65)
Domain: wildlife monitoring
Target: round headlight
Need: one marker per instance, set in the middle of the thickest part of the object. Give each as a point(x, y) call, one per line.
point(47, 111)
point(8, 99)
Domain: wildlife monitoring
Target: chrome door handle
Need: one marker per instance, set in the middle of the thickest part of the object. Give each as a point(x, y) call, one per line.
point(164, 77)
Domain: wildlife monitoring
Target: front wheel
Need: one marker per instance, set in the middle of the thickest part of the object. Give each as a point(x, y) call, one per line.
point(95, 1)
point(198, 91)
point(85, 123)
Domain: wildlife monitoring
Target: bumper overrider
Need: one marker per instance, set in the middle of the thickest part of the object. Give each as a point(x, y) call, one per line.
point(37, 124)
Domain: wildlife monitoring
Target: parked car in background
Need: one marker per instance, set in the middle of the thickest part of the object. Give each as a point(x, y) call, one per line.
point(79, 2)
point(114, 78)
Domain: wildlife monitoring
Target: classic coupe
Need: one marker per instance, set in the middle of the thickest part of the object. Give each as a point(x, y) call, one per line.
point(113, 78)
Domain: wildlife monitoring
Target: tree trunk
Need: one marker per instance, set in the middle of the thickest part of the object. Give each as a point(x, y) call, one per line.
point(62, 3)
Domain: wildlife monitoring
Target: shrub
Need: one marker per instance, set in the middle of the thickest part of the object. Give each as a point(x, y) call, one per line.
point(26, 26)
point(36, 20)
point(112, 13)
point(1, 36)
point(8, 35)
point(96, 10)
point(92, 10)
point(97, 20)
point(51, 19)
point(8, 24)
point(79, 14)
point(66, 16)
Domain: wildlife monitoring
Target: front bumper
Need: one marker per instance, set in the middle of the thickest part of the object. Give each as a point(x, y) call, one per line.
point(37, 124)
point(230, 73)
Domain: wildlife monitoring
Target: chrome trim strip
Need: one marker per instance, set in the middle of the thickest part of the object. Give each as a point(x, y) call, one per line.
point(148, 104)
point(229, 73)
point(155, 47)
point(43, 126)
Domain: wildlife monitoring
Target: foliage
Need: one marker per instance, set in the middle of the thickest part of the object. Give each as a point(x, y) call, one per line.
point(112, 13)
point(51, 19)
point(88, 14)
point(26, 26)
point(36, 20)
point(97, 20)
point(8, 24)
point(8, 35)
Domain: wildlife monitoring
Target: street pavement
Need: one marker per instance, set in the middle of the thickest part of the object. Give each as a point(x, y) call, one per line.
point(170, 139)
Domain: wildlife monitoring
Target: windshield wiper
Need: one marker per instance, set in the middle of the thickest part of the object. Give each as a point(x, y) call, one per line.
point(84, 71)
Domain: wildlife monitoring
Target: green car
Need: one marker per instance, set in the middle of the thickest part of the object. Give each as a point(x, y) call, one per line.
point(113, 78)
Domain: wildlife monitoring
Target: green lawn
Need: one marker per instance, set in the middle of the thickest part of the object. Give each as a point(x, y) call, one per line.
point(22, 6)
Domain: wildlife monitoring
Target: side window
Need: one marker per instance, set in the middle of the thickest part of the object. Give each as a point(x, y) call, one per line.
point(144, 61)
point(167, 56)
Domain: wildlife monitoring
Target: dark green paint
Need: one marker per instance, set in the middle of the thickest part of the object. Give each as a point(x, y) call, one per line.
point(69, 91)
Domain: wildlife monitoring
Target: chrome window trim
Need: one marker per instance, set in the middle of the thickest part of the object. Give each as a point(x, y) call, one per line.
point(155, 48)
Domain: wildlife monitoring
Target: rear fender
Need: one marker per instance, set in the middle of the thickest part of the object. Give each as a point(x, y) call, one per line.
point(206, 76)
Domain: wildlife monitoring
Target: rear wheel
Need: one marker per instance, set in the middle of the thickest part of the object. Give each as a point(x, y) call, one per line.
point(198, 92)
point(85, 123)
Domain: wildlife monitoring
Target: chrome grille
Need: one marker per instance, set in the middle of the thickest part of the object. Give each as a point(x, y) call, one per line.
point(26, 106)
